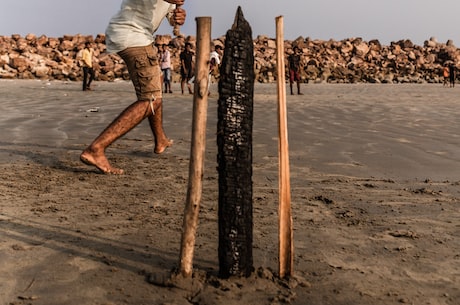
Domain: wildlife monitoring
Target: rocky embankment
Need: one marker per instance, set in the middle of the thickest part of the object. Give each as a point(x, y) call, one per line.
point(347, 61)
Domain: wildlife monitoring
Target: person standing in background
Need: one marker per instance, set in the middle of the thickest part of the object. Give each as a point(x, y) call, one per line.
point(87, 62)
point(452, 75)
point(445, 74)
point(165, 63)
point(214, 63)
point(294, 67)
point(186, 68)
point(215, 58)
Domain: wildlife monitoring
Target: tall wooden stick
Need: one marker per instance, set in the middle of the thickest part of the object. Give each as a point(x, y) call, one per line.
point(286, 242)
point(176, 28)
point(197, 151)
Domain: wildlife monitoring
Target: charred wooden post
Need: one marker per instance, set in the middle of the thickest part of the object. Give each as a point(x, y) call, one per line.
point(234, 139)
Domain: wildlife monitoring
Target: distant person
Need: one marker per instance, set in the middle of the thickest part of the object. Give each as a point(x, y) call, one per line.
point(186, 67)
point(445, 74)
point(215, 59)
point(452, 75)
point(160, 52)
point(294, 67)
point(87, 62)
point(130, 33)
point(165, 63)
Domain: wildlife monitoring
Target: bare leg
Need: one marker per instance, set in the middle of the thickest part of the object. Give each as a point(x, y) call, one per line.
point(156, 124)
point(94, 154)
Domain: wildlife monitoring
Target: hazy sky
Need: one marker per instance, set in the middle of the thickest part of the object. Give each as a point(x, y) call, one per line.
point(386, 20)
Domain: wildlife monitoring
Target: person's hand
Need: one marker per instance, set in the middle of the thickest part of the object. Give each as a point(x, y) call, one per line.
point(179, 16)
point(176, 2)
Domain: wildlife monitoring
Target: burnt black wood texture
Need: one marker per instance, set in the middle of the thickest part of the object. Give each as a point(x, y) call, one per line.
point(234, 140)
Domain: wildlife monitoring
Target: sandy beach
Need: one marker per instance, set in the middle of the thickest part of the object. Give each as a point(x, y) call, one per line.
point(375, 177)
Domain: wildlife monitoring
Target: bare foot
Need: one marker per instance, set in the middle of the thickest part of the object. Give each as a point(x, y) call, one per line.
point(100, 162)
point(161, 147)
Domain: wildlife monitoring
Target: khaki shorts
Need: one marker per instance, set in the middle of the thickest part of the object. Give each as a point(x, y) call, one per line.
point(145, 73)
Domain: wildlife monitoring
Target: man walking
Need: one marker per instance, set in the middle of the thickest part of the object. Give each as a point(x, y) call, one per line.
point(131, 34)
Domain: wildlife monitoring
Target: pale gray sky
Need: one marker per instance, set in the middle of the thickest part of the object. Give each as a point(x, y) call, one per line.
point(386, 20)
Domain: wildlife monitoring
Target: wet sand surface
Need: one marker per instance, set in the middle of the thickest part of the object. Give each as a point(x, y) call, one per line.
point(375, 198)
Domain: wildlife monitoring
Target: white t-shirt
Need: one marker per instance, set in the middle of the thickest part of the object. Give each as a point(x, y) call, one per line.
point(214, 55)
point(136, 23)
point(165, 60)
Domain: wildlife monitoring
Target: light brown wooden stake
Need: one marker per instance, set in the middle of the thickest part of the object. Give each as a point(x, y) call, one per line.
point(197, 151)
point(286, 241)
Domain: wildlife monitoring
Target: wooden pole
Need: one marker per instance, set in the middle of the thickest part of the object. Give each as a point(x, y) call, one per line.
point(197, 151)
point(176, 28)
point(286, 242)
point(234, 142)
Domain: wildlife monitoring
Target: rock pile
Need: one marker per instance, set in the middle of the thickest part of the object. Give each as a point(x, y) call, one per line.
point(354, 60)
point(347, 61)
